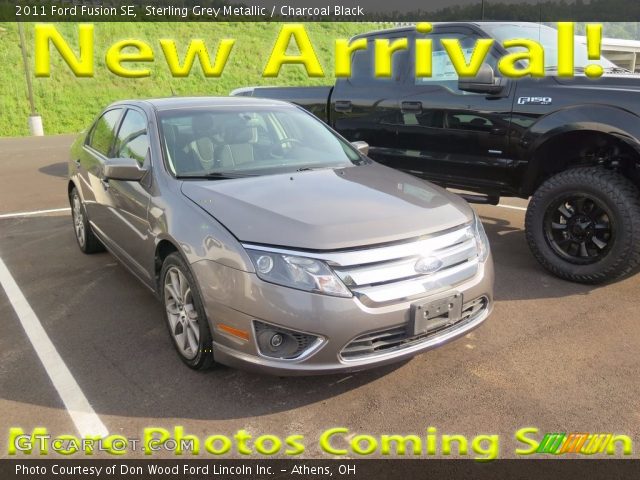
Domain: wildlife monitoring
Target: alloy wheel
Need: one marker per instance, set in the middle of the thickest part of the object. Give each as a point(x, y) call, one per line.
point(181, 313)
point(78, 220)
point(579, 228)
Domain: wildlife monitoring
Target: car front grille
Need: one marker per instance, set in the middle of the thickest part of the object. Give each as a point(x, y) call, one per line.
point(398, 338)
point(388, 274)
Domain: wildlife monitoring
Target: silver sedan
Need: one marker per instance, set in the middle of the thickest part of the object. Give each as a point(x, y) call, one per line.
point(272, 242)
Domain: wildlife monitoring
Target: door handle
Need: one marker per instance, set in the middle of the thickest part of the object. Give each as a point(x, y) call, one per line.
point(411, 107)
point(342, 106)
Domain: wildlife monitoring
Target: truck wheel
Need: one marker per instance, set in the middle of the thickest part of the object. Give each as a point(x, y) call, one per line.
point(583, 225)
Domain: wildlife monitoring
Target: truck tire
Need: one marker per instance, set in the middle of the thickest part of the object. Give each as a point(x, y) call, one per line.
point(583, 225)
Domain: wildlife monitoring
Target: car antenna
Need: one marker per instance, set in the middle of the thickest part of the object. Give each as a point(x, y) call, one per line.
point(173, 92)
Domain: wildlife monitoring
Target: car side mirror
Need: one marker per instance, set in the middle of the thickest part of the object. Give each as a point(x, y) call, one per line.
point(123, 169)
point(362, 147)
point(485, 81)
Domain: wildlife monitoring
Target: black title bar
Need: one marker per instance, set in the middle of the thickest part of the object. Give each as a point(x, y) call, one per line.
point(318, 10)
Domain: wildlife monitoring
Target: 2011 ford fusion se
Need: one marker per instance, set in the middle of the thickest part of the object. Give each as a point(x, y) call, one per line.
point(272, 242)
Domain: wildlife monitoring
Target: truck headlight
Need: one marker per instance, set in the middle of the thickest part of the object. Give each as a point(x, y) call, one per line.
point(482, 241)
point(297, 272)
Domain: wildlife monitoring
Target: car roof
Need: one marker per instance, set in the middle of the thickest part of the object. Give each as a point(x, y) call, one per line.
point(412, 27)
point(170, 103)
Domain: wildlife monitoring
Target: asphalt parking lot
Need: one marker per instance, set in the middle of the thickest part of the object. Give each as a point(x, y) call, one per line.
point(554, 355)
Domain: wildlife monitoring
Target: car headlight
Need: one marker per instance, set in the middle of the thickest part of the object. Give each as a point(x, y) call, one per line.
point(482, 241)
point(297, 272)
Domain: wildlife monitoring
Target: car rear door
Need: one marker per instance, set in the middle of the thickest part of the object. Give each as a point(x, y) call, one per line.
point(90, 165)
point(366, 108)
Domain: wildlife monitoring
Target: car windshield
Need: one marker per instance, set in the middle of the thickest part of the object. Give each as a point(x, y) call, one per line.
point(548, 38)
point(220, 142)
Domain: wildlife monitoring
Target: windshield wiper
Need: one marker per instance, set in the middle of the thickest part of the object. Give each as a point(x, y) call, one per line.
point(217, 175)
point(308, 169)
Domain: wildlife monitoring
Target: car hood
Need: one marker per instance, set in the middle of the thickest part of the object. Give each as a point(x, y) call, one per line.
point(329, 209)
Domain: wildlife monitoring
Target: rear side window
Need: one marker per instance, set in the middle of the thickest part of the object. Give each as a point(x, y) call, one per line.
point(103, 132)
point(363, 66)
point(444, 73)
point(132, 141)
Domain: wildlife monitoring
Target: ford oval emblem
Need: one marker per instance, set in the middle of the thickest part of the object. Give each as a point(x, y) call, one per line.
point(428, 265)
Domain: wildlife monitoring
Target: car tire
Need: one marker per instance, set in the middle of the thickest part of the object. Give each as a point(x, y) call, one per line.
point(184, 313)
point(87, 240)
point(583, 225)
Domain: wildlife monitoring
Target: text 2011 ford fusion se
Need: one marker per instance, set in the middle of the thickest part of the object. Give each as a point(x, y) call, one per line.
point(273, 243)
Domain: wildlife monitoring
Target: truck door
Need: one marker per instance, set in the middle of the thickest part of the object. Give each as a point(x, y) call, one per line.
point(452, 137)
point(366, 108)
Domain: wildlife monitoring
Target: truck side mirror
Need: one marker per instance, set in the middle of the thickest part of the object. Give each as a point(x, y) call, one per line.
point(362, 147)
point(484, 82)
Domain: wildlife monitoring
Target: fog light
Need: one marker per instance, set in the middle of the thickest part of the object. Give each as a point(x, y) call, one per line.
point(278, 342)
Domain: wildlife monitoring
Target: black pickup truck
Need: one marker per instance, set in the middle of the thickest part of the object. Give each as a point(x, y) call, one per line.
point(573, 145)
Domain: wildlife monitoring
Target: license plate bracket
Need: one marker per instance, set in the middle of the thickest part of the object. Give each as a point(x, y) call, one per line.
point(434, 314)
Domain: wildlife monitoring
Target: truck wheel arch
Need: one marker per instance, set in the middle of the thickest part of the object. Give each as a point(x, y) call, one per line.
point(570, 138)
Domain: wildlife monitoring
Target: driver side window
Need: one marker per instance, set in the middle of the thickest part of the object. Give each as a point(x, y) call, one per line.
point(443, 72)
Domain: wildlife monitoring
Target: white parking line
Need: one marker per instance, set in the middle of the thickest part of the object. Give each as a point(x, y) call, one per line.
point(34, 212)
point(85, 419)
point(513, 207)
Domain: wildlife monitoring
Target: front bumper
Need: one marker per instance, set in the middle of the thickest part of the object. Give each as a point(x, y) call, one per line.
point(235, 299)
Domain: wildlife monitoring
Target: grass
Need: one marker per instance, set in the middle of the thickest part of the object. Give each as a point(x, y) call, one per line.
point(67, 103)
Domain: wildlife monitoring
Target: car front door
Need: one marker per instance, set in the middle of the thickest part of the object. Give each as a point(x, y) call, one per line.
point(126, 220)
point(450, 136)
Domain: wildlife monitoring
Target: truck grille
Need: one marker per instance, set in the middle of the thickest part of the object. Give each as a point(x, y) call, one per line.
point(398, 338)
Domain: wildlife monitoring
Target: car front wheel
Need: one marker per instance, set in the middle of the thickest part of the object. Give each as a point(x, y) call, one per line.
point(583, 225)
point(185, 316)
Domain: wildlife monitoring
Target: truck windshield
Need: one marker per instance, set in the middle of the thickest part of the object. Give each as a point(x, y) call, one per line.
point(236, 141)
point(548, 38)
